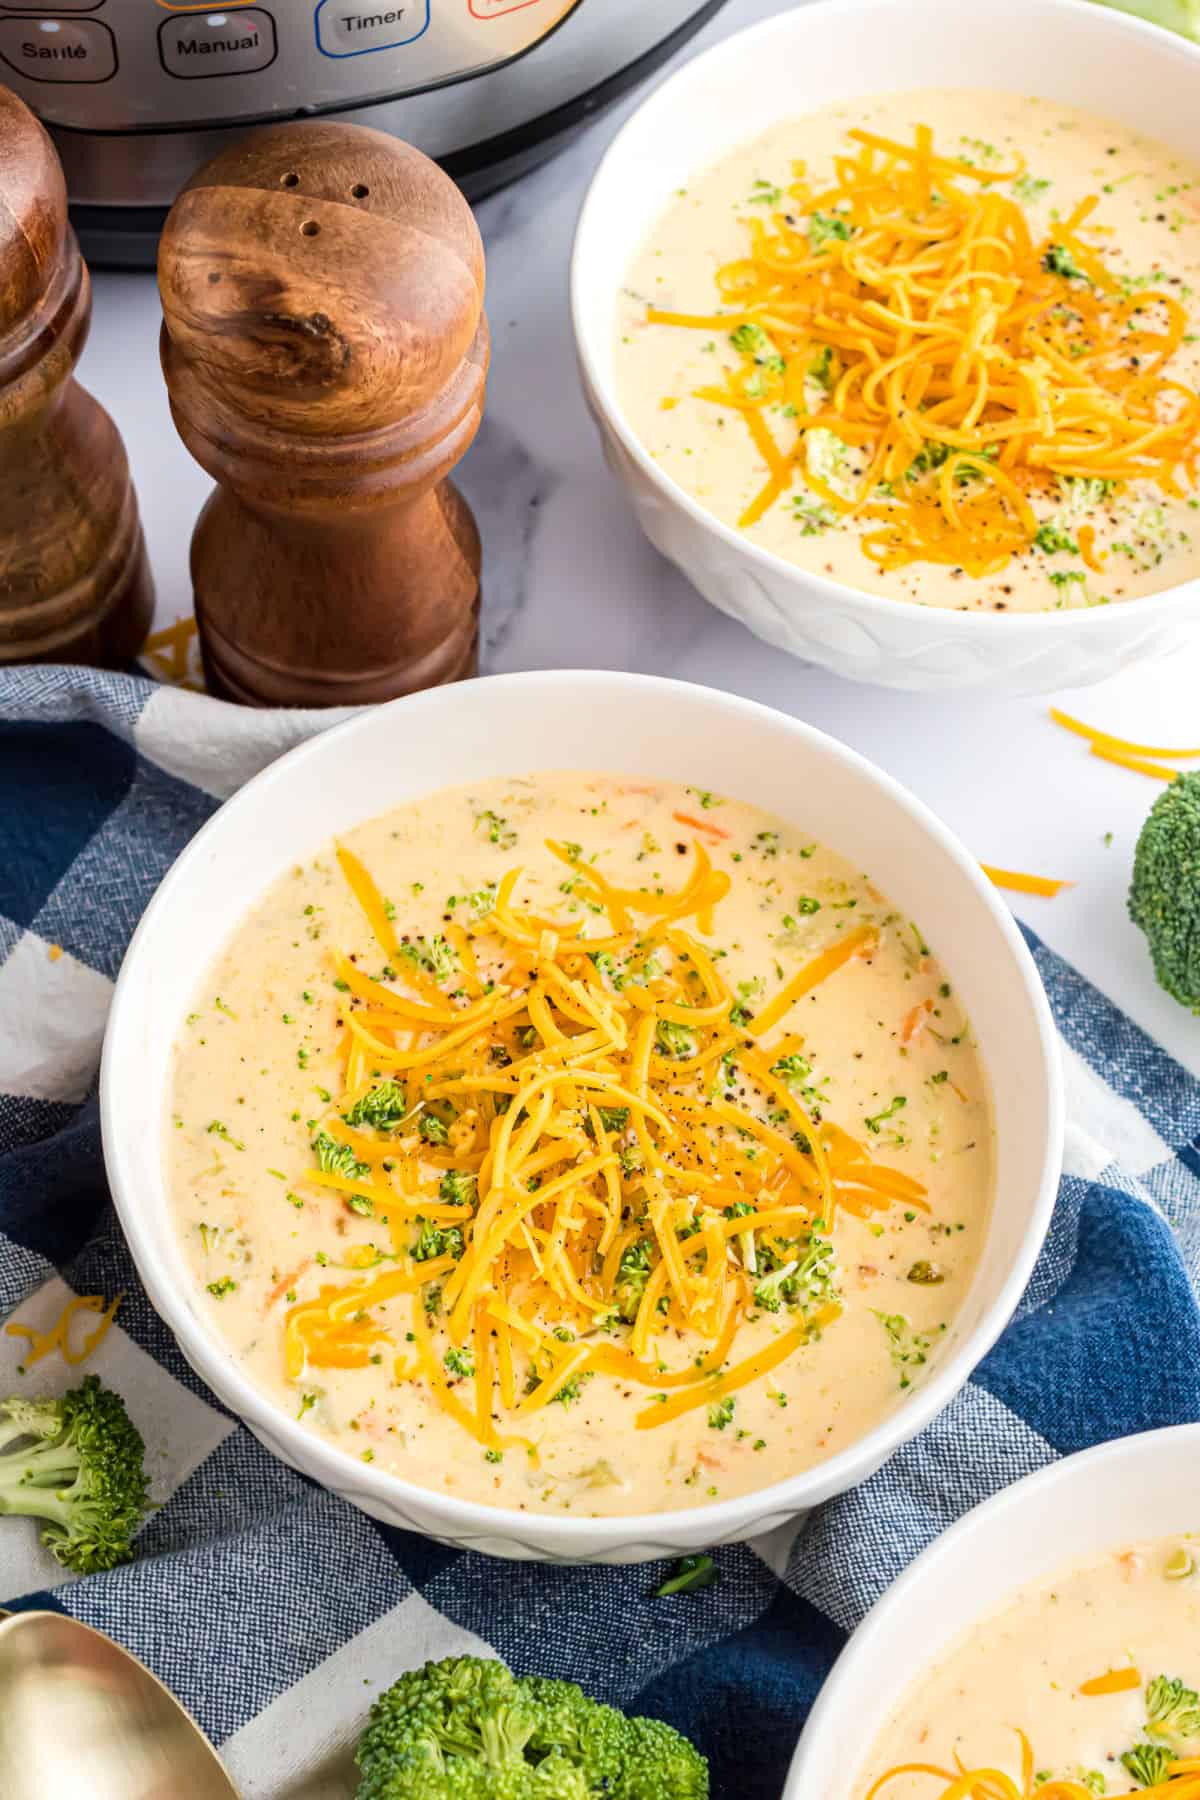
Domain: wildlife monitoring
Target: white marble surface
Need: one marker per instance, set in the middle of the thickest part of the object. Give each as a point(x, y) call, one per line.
point(570, 582)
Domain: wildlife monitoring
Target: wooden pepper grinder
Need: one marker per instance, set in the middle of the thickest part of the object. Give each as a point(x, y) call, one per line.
point(74, 586)
point(325, 349)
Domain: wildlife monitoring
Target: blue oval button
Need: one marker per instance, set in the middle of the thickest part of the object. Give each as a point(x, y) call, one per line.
point(346, 29)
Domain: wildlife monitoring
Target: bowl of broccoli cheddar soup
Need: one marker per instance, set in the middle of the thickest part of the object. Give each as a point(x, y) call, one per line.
point(580, 1115)
point(890, 319)
point(1059, 1634)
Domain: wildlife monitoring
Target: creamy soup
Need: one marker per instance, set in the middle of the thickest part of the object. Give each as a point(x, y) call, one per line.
point(579, 1143)
point(963, 394)
point(1097, 1669)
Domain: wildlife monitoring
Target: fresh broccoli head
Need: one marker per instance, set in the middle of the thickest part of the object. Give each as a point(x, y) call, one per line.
point(448, 1731)
point(78, 1465)
point(1164, 896)
point(581, 1732)
point(661, 1765)
point(465, 1729)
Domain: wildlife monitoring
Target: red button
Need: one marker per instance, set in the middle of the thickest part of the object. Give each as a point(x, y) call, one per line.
point(493, 9)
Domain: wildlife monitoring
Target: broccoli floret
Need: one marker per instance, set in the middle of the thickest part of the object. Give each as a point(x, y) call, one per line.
point(578, 1731)
point(1164, 895)
point(778, 1288)
point(748, 338)
point(449, 1731)
point(633, 1272)
point(1172, 1710)
point(674, 1040)
point(557, 1779)
point(661, 1765)
point(1149, 1764)
point(1058, 260)
point(438, 1240)
point(78, 1464)
point(383, 1107)
point(465, 1729)
point(338, 1159)
point(458, 1187)
point(932, 456)
point(808, 1279)
point(825, 227)
point(610, 969)
point(1052, 538)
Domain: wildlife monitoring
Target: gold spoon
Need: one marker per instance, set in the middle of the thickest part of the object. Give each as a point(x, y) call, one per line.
point(79, 1715)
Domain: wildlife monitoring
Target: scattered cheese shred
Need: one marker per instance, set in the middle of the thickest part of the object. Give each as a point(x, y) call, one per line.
point(761, 1363)
point(1116, 1681)
point(1020, 883)
point(1140, 765)
point(932, 366)
point(169, 653)
point(369, 898)
point(559, 1174)
point(1182, 1781)
point(1110, 742)
point(43, 1343)
point(855, 943)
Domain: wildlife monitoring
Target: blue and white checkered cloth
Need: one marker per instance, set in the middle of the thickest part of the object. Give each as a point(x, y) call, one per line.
point(274, 1611)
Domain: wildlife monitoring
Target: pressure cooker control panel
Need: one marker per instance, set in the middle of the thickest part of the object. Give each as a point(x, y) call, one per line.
point(129, 65)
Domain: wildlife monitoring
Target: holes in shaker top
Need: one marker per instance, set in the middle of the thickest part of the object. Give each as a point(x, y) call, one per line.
point(310, 228)
point(291, 179)
point(360, 190)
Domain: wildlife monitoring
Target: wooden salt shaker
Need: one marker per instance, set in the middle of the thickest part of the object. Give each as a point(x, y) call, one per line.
point(325, 349)
point(74, 585)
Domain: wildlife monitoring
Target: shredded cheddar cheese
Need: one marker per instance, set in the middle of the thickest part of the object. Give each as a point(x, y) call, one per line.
point(1140, 765)
point(1182, 1782)
point(967, 365)
point(44, 1343)
point(1115, 1681)
point(1095, 736)
point(1021, 883)
point(169, 654)
point(581, 1181)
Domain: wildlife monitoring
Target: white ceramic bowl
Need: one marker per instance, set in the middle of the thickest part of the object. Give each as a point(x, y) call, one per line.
point(1137, 1487)
point(1072, 51)
point(637, 726)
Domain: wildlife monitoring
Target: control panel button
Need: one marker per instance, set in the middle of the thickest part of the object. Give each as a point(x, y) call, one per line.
point(58, 6)
point(80, 50)
point(345, 28)
point(198, 46)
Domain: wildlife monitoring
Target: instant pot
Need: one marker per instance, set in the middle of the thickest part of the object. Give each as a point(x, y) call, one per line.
point(138, 93)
